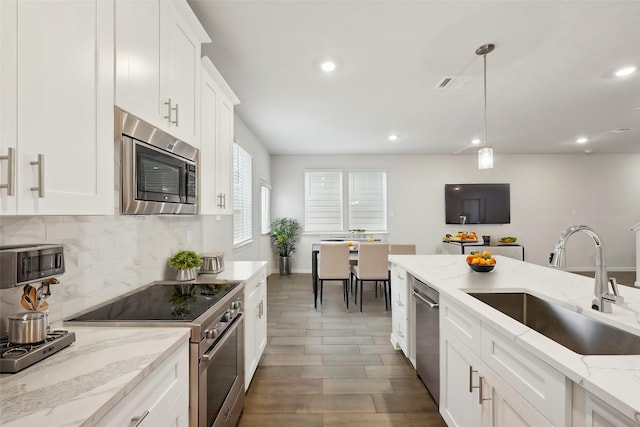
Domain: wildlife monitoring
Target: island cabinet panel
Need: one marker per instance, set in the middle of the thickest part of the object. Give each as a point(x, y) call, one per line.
point(56, 80)
point(399, 313)
point(487, 381)
point(589, 411)
point(161, 400)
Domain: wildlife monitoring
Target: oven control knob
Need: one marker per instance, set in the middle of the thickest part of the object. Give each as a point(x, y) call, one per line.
point(211, 334)
point(233, 313)
point(236, 305)
point(225, 317)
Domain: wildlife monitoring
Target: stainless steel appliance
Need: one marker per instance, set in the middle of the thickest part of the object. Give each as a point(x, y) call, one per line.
point(159, 172)
point(427, 336)
point(212, 263)
point(24, 264)
point(213, 312)
point(15, 357)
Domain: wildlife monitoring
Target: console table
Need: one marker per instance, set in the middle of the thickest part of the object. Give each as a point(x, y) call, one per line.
point(510, 250)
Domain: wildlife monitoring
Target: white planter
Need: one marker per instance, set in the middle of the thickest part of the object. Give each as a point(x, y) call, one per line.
point(186, 275)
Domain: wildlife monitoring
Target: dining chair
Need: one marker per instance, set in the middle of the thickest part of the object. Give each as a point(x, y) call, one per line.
point(373, 259)
point(334, 265)
point(402, 249)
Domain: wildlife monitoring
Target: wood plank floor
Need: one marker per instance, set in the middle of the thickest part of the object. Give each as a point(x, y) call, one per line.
point(330, 367)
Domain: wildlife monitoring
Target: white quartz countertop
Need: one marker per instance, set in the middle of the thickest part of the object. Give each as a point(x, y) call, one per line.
point(614, 379)
point(78, 385)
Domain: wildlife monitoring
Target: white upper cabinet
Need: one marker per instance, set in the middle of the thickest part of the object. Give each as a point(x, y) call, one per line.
point(216, 147)
point(56, 108)
point(158, 45)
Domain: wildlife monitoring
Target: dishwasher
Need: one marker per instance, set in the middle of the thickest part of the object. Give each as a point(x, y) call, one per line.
point(427, 336)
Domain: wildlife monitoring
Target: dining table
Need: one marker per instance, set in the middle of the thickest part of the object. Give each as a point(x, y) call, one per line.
point(315, 250)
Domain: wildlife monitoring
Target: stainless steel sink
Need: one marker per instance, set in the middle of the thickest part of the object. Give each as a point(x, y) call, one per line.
point(571, 329)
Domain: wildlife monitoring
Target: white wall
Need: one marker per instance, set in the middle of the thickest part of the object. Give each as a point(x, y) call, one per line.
point(548, 193)
point(107, 256)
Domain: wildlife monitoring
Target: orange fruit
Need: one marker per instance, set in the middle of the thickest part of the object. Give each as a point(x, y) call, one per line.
point(469, 258)
point(491, 261)
point(475, 261)
point(486, 254)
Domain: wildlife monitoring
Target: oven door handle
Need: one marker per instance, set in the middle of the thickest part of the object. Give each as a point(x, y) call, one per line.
point(227, 333)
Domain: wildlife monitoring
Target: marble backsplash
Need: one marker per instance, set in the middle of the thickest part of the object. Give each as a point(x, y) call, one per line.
point(105, 256)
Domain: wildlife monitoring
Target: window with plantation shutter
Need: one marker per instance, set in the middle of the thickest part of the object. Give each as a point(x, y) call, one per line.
point(265, 208)
point(323, 200)
point(368, 200)
point(242, 232)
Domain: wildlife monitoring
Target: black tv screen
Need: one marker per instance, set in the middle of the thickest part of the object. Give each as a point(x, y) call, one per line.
point(477, 203)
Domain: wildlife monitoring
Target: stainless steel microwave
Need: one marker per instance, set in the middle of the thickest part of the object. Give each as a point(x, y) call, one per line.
point(159, 172)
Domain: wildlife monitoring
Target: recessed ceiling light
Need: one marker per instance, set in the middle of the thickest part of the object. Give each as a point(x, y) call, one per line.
point(625, 71)
point(392, 137)
point(581, 140)
point(588, 151)
point(475, 141)
point(328, 66)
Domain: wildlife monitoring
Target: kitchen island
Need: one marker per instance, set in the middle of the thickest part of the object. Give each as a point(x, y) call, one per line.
point(611, 381)
point(80, 384)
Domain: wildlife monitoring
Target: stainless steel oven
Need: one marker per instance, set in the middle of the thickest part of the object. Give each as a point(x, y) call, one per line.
point(221, 379)
point(213, 312)
point(23, 264)
point(159, 172)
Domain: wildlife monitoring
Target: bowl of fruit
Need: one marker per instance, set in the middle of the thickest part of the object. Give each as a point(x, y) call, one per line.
point(482, 262)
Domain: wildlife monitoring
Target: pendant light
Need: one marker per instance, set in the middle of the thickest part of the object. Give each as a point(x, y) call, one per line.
point(485, 154)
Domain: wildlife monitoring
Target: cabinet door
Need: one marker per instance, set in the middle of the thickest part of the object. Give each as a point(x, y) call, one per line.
point(179, 74)
point(216, 143)
point(137, 55)
point(225, 157)
point(249, 333)
point(459, 376)
point(502, 406)
point(8, 101)
point(65, 107)
point(261, 319)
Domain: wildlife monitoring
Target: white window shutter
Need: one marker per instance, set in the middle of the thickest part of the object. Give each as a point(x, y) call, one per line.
point(242, 230)
point(323, 201)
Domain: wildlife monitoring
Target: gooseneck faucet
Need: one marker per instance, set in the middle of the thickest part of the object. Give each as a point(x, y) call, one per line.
point(602, 298)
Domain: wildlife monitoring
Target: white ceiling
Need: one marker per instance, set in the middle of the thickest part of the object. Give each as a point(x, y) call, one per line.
point(549, 80)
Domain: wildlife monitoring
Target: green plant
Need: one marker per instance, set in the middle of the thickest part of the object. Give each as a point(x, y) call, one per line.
point(284, 235)
point(185, 260)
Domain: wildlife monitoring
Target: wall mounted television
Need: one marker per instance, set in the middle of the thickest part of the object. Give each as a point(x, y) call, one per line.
point(477, 203)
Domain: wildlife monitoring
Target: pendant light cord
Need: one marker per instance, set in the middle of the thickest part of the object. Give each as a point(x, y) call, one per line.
point(485, 98)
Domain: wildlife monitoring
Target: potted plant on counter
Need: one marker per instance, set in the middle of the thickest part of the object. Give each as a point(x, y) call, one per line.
point(186, 262)
point(284, 235)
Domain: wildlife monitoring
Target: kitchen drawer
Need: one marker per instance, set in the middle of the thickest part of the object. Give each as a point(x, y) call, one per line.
point(167, 387)
point(541, 385)
point(461, 323)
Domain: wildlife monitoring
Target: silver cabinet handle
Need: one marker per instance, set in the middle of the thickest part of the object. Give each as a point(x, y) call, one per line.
point(169, 109)
point(11, 165)
point(480, 398)
point(224, 201)
point(175, 122)
point(40, 187)
point(135, 421)
point(471, 386)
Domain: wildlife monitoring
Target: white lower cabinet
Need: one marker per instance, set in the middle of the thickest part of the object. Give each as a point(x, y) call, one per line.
point(589, 411)
point(487, 381)
point(399, 318)
point(161, 400)
point(255, 323)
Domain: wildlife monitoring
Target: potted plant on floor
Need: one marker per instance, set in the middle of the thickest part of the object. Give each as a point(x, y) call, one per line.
point(284, 235)
point(186, 262)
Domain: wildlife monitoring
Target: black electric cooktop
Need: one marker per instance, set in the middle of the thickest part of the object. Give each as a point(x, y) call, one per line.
point(160, 302)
